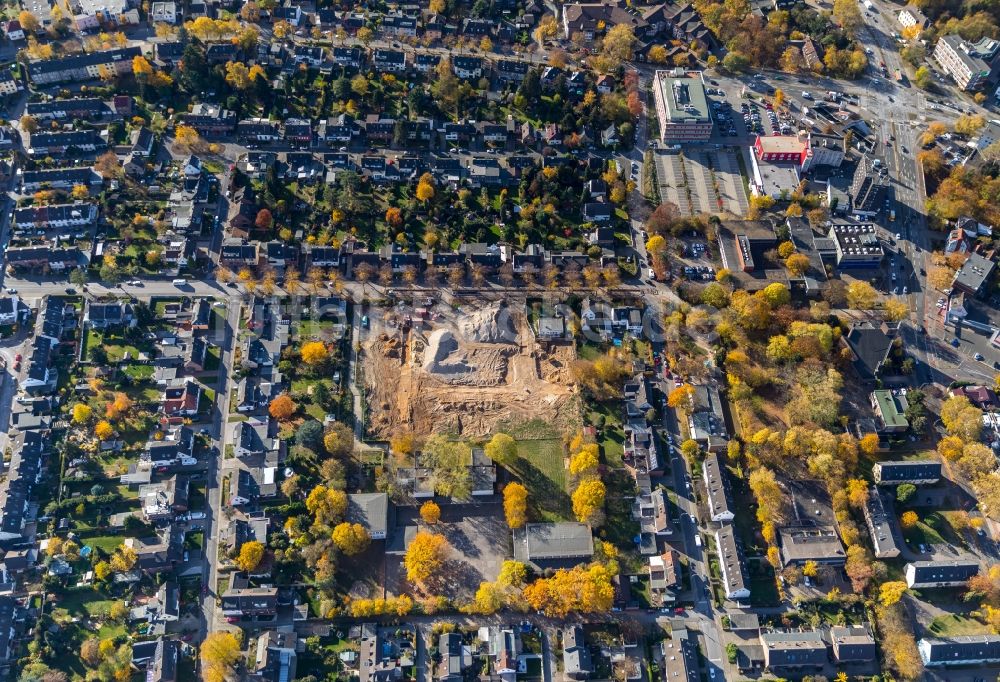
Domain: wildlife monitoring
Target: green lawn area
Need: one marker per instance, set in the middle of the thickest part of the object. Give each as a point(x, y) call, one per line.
point(540, 468)
point(213, 359)
point(589, 351)
point(932, 529)
point(195, 540)
point(115, 346)
point(612, 436)
point(139, 372)
point(315, 329)
point(106, 543)
point(83, 603)
point(955, 624)
point(197, 499)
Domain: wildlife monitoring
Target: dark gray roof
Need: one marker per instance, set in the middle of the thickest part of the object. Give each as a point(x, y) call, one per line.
point(889, 472)
point(82, 60)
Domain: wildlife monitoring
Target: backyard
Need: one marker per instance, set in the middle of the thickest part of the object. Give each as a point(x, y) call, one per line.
point(540, 467)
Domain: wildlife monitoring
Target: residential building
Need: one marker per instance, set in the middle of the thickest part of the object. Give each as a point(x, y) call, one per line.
point(83, 108)
point(921, 574)
point(275, 659)
point(54, 216)
point(800, 545)
point(975, 273)
point(59, 144)
point(706, 421)
point(108, 315)
point(912, 16)
point(82, 66)
point(890, 408)
point(960, 650)
point(968, 64)
point(58, 178)
point(456, 657)
point(374, 511)
point(664, 577)
point(680, 658)
point(682, 107)
point(164, 12)
point(250, 603)
point(881, 526)
point(789, 649)
point(871, 344)
point(917, 472)
point(853, 644)
point(577, 662)
point(720, 505)
point(735, 579)
point(869, 186)
point(592, 20)
point(857, 245)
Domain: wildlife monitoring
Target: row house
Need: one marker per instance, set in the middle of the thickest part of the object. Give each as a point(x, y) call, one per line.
point(308, 55)
point(389, 61)
point(59, 144)
point(210, 120)
point(511, 71)
point(258, 130)
point(89, 109)
point(425, 62)
point(348, 57)
point(397, 24)
point(58, 178)
point(54, 216)
point(338, 130)
point(298, 131)
point(467, 67)
point(82, 67)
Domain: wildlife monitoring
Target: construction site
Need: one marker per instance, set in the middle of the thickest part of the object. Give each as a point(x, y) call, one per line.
point(464, 372)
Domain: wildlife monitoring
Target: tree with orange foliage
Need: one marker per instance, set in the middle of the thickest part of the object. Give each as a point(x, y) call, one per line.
point(282, 407)
point(394, 216)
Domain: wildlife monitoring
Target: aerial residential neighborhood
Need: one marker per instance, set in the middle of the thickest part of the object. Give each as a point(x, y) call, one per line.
point(515, 340)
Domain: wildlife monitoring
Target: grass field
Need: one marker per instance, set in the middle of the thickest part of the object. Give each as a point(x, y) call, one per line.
point(932, 529)
point(540, 468)
point(954, 624)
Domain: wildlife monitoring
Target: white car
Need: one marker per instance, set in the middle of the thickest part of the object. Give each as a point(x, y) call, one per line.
point(652, 274)
point(195, 516)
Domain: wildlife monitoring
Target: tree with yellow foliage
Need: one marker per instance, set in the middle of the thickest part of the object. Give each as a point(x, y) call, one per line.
point(810, 569)
point(425, 556)
point(29, 22)
point(430, 512)
point(123, 559)
point(502, 449)
point(103, 430)
point(861, 295)
point(219, 653)
point(314, 353)
point(186, 136)
point(585, 462)
point(680, 396)
point(515, 504)
point(588, 501)
point(891, 592)
point(81, 413)
point(909, 519)
point(869, 443)
point(79, 192)
point(250, 555)
point(327, 505)
point(582, 589)
point(425, 188)
point(351, 538)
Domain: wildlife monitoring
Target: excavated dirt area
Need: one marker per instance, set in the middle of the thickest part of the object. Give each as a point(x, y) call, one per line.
point(465, 374)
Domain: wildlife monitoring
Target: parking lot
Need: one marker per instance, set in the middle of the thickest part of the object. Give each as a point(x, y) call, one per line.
point(701, 181)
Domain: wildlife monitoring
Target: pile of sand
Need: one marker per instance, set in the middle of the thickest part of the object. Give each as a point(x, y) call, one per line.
point(441, 357)
point(490, 324)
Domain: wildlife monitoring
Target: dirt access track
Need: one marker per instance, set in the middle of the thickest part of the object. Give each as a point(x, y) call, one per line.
point(465, 373)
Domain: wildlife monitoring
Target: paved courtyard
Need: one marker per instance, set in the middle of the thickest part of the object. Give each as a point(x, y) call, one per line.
point(701, 181)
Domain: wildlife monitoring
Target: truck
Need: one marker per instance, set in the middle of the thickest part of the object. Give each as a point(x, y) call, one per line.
point(869, 6)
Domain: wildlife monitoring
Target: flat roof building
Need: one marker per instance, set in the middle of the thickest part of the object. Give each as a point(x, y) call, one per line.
point(680, 660)
point(557, 541)
point(967, 63)
point(974, 274)
point(682, 106)
point(856, 245)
